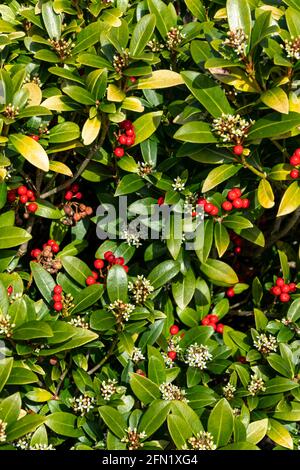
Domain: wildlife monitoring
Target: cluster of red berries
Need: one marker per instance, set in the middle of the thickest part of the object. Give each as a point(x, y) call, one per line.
point(237, 241)
point(283, 290)
point(73, 193)
point(235, 201)
point(100, 265)
point(35, 253)
point(209, 208)
point(57, 298)
point(25, 196)
point(126, 138)
point(295, 161)
point(212, 320)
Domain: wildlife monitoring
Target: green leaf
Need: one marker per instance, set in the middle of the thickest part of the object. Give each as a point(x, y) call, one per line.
point(179, 430)
point(261, 320)
point(13, 236)
point(5, 370)
point(294, 311)
point(63, 424)
point(10, 408)
point(220, 423)
point(101, 320)
point(290, 200)
point(279, 434)
point(163, 273)
point(218, 175)
point(219, 272)
point(114, 420)
point(265, 194)
point(239, 15)
point(293, 21)
point(32, 329)
point(76, 268)
point(129, 184)
point(52, 21)
point(237, 222)
point(276, 99)
point(39, 395)
point(44, 281)
point(154, 417)
point(196, 8)
point(161, 12)
point(21, 376)
point(146, 125)
point(87, 297)
point(279, 385)
point(47, 210)
point(183, 290)
point(184, 411)
point(222, 238)
point(89, 36)
point(274, 125)
point(254, 235)
point(141, 35)
point(144, 389)
point(67, 74)
point(189, 316)
point(90, 130)
point(117, 283)
point(24, 426)
point(207, 92)
point(196, 132)
point(64, 132)
point(31, 150)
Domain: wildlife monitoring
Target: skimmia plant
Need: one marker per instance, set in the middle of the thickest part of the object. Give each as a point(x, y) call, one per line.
point(149, 340)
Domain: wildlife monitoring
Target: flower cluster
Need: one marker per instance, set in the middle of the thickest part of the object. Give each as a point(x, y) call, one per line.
point(228, 391)
point(265, 344)
point(202, 441)
point(231, 128)
point(172, 392)
point(133, 438)
point(132, 238)
point(197, 356)
point(155, 45)
point(6, 327)
point(62, 47)
point(83, 404)
point(256, 385)
point(137, 355)
point(174, 38)
point(178, 184)
point(108, 388)
point(140, 289)
point(292, 47)
point(79, 322)
point(144, 169)
point(11, 111)
point(121, 310)
point(120, 61)
point(3, 426)
point(236, 40)
point(42, 447)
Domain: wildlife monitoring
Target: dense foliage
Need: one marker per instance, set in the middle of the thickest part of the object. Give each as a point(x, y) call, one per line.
point(138, 341)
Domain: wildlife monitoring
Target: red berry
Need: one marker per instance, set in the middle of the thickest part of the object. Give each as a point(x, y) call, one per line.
point(297, 152)
point(205, 321)
point(69, 195)
point(35, 137)
point(238, 191)
point(11, 196)
point(57, 297)
point(213, 325)
point(107, 254)
point(292, 286)
point(284, 297)
point(129, 141)
point(22, 190)
point(237, 250)
point(285, 288)
point(55, 248)
point(111, 259)
point(140, 372)
point(99, 263)
point(232, 195)
point(78, 196)
point(120, 260)
point(119, 152)
point(35, 253)
point(194, 213)
point(75, 188)
point(220, 328)
point(279, 281)
point(295, 160)
point(32, 207)
point(201, 201)
point(57, 289)
point(95, 275)
point(58, 306)
point(214, 211)
point(53, 361)
point(230, 292)
point(132, 79)
point(23, 199)
point(174, 329)
point(122, 139)
point(90, 280)
point(126, 269)
point(245, 203)
point(9, 290)
point(238, 149)
point(227, 206)
point(126, 124)
point(213, 318)
point(130, 132)
point(238, 203)
point(172, 355)
point(294, 174)
point(160, 200)
point(242, 359)
point(29, 193)
point(208, 207)
point(51, 242)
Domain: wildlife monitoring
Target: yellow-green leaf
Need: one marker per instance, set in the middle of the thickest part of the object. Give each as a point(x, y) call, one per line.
point(31, 150)
point(146, 125)
point(61, 168)
point(35, 94)
point(279, 434)
point(91, 130)
point(290, 200)
point(218, 175)
point(265, 194)
point(115, 94)
point(159, 79)
point(39, 395)
point(256, 430)
point(131, 103)
point(276, 99)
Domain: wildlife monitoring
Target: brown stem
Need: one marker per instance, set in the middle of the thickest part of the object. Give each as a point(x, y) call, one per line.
point(23, 248)
point(62, 378)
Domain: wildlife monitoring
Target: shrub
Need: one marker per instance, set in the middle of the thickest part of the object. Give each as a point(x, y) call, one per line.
point(139, 341)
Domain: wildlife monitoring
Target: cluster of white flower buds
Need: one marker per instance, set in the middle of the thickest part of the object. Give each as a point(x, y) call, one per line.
point(155, 45)
point(237, 40)
point(202, 441)
point(292, 48)
point(172, 392)
point(131, 238)
point(174, 38)
point(108, 388)
point(179, 184)
point(232, 128)
point(256, 385)
point(265, 344)
point(197, 356)
point(121, 61)
point(121, 310)
point(144, 169)
point(79, 322)
point(6, 327)
point(133, 438)
point(228, 391)
point(62, 47)
point(3, 426)
point(11, 111)
point(140, 289)
point(137, 355)
point(83, 404)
